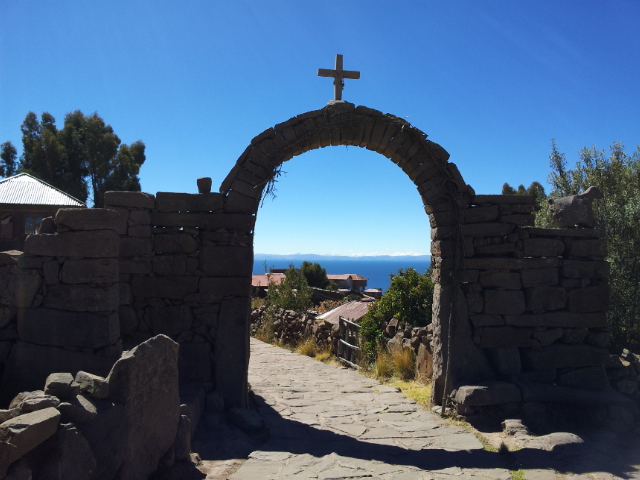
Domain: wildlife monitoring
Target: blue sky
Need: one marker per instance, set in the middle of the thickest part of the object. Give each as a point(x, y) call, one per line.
point(491, 81)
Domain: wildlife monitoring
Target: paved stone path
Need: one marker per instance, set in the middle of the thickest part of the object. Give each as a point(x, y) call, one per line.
point(330, 423)
point(327, 422)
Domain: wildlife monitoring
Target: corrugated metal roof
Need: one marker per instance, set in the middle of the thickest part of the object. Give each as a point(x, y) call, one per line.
point(24, 189)
point(353, 311)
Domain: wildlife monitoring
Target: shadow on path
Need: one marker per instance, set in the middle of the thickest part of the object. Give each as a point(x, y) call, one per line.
point(299, 438)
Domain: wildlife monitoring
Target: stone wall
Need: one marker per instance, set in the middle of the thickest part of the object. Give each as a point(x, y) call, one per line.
point(511, 302)
point(108, 279)
point(537, 298)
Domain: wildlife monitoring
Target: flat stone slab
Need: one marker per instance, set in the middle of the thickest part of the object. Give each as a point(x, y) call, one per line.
point(328, 422)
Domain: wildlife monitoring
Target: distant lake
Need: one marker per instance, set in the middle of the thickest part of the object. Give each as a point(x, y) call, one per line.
point(376, 271)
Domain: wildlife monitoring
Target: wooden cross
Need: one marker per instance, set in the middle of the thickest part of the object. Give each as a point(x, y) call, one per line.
point(338, 76)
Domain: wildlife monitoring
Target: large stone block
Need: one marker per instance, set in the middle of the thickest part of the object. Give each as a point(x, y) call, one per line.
point(170, 320)
point(212, 221)
point(502, 199)
point(504, 302)
point(542, 247)
point(141, 267)
point(558, 319)
point(545, 298)
point(22, 434)
point(486, 320)
point(538, 277)
point(506, 361)
point(83, 298)
point(106, 434)
point(145, 381)
point(587, 248)
point(226, 286)
point(60, 328)
point(226, 261)
point(232, 351)
point(176, 242)
point(505, 336)
point(424, 363)
point(91, 244)
point(194, 362)
point(589, 378)
point(18, 287)
point(170, 264)
point(174, 287)
point(70, 458)
point(235, 202)
point(29, 365)
point(509, 263)
point(462, 369)
point(487, 229)
point(549, 336)
point(88, 219)
point(589, 299)
point(585, 269)
point(480, 214)
point(504, 280)
point(563, 356)
point(188, 202)
point(98, 270)
point(129, 199)
point(207, 315)
point(135, 246)
point(488, 393)
point(139, 217)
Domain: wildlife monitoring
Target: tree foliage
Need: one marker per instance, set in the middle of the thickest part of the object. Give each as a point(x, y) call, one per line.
point(617, 174)
point(84, 159)
point(317, 276)
point(8, 156)
point(408, 299)
point(536, 190)
point(293, 293)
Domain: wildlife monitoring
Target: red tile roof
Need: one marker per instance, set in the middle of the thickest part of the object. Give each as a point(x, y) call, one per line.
point(263, 280)
point(345, 276)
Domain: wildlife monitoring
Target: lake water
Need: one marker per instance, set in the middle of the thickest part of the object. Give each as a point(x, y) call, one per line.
point(376, 271)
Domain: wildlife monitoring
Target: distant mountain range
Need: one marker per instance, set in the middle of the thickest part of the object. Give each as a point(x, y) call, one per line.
point(317, 258)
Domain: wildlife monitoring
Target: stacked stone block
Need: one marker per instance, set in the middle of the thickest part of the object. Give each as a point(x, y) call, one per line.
point(536, 297)
point(63, 293)
point(186, 261)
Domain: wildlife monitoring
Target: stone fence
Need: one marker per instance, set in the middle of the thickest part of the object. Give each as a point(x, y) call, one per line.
point(107, 279)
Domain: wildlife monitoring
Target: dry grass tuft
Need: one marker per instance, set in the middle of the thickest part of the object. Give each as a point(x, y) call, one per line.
point(383, 368)
point(308, 347)
point(404, 363)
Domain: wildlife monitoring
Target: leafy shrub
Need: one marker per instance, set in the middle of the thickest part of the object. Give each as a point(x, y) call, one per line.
point(409, 299)
point(292, 294)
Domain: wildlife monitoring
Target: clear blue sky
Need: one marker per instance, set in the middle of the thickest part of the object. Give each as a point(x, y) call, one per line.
point(491, 81)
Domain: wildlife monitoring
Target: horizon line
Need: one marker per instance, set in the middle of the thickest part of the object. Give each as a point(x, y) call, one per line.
point(356, 255)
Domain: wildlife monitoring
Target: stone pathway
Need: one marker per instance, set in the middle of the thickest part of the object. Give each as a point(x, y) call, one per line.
point(331, 423)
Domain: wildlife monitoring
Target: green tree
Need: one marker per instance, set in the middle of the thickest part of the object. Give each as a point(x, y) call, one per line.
point(408, 299)
point(536, 190)
point(317, 276)
point(85, 158)
point(8, 156)
point(617, 174)
point(293, 293)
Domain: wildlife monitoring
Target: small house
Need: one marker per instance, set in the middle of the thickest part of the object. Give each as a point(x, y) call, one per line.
point(349, 281)
point(24, 202)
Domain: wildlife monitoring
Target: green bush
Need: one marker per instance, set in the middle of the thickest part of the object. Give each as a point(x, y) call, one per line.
point(409, 299)
point(292, 294)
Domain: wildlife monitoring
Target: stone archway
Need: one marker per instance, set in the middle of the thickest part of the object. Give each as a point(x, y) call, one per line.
point(442, 189)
